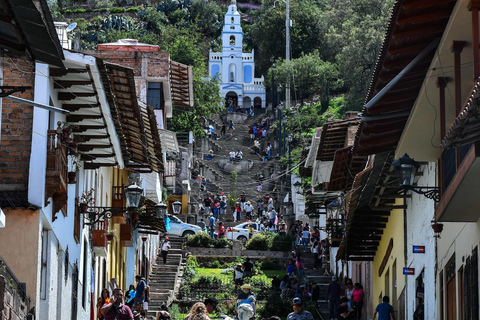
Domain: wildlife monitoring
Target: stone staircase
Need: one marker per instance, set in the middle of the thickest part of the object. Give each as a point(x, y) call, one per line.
point(163, 279)
point(321, 278)
point(240, 140)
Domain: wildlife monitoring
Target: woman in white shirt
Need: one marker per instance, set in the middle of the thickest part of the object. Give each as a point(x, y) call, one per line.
point(305, 238)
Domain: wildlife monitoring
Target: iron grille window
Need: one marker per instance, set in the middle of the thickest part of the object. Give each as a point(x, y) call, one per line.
point(470, 284)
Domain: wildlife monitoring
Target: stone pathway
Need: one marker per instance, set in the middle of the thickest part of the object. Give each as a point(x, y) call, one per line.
point(164, 278)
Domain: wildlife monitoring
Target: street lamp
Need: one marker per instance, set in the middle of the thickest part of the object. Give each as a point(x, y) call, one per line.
point(133, 195)
point(297, 186)
point(289, 139)
point(161, 210)
point(332, 209)
point(177, 207)
point(315, 217)
point(406, 167)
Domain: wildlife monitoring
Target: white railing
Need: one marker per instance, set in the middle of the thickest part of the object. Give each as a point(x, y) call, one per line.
point(216, 56)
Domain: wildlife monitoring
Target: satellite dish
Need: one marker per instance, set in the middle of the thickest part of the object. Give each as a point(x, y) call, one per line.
point(71, 27)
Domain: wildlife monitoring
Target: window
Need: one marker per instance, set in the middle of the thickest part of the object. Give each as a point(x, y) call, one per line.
point(43, 267)
point(76, 222)
point(232, 78)
point(84, 276)
point(233, 20)
point(232, 40)
point(450, 297)
point(469, 286)
point(154, 95)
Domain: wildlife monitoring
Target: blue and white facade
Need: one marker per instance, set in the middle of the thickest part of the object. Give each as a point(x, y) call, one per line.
point(235, 69)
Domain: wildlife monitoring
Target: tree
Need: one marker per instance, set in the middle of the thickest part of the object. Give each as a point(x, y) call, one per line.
point(308, 75)
point(207, 100)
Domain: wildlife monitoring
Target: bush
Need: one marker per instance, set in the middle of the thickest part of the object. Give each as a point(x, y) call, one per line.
point(222, 243)
point(268, 264)
point(270, 241)
point(275, 306)
point(282, 242)
point(258, 242)
point(200, 239)
point(210, 281)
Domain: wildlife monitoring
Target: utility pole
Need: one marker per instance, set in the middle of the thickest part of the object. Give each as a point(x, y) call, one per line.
point(287, 54)
point(272, 60)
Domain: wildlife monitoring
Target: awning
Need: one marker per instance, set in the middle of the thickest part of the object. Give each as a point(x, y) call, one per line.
point(345, 167)
point(93, 116)
point(413, 27)
point(369, 203)
point(168, 140)
point(181, 84)
point(335, 136)
point(27, 31)
point(138, 124)
point(148, 219)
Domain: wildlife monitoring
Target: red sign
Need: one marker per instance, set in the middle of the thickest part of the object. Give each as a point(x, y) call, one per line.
point(409, 271)
point(418, 249)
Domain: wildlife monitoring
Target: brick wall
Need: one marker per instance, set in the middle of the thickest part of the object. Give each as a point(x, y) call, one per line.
point(156, 66)
point(17, 122)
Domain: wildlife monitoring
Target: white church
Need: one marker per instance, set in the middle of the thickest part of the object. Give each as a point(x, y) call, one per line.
point(235, 69)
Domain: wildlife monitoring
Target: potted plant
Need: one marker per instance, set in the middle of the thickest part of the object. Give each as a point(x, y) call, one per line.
point(67, 133)
point(110, 234)
point(73, 148)
point(437, 228)
point(86, 200)
point(72, 175)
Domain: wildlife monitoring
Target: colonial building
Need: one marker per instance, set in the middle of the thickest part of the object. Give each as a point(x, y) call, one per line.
point(234, 69)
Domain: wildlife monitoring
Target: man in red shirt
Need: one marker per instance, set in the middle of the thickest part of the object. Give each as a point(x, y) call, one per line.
point(116, 310)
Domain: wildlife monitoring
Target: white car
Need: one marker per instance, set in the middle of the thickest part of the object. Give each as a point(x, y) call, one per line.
point(180, 228)
point(240, 232)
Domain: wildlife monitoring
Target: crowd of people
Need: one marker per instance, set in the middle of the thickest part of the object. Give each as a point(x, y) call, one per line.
point(131, 306)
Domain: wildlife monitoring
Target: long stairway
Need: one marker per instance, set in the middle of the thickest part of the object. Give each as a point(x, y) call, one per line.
point(322, 279)
point(163, 278)
point(219, 180)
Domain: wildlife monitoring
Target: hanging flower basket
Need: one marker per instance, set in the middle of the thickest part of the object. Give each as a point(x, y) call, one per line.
point(67, 138)
point(73, 148)
point(437, 228)
point(109, 236)
point(83, 207)
point(72, 177)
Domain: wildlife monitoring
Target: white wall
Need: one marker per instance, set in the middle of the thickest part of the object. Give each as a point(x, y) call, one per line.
point(420, 211)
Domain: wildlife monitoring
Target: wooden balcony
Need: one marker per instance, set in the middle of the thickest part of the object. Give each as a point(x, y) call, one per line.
point(126, 238)
point(56, 173)
point(459, 170)
point(99, 241)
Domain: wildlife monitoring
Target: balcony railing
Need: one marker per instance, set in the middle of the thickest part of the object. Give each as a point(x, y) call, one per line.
point(450, 161)
point(13, 294)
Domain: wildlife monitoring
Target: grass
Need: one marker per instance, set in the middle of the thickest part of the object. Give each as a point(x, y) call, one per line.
point(217, 272)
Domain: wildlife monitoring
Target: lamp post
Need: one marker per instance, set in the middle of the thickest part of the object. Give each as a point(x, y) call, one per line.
point(284, 137)
point(177, 207)
point(279, 111)
point(272, 61)
point(161, 211)
point(406, 167)
point(133, 195)
point(290, 139)
point(297, 186)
